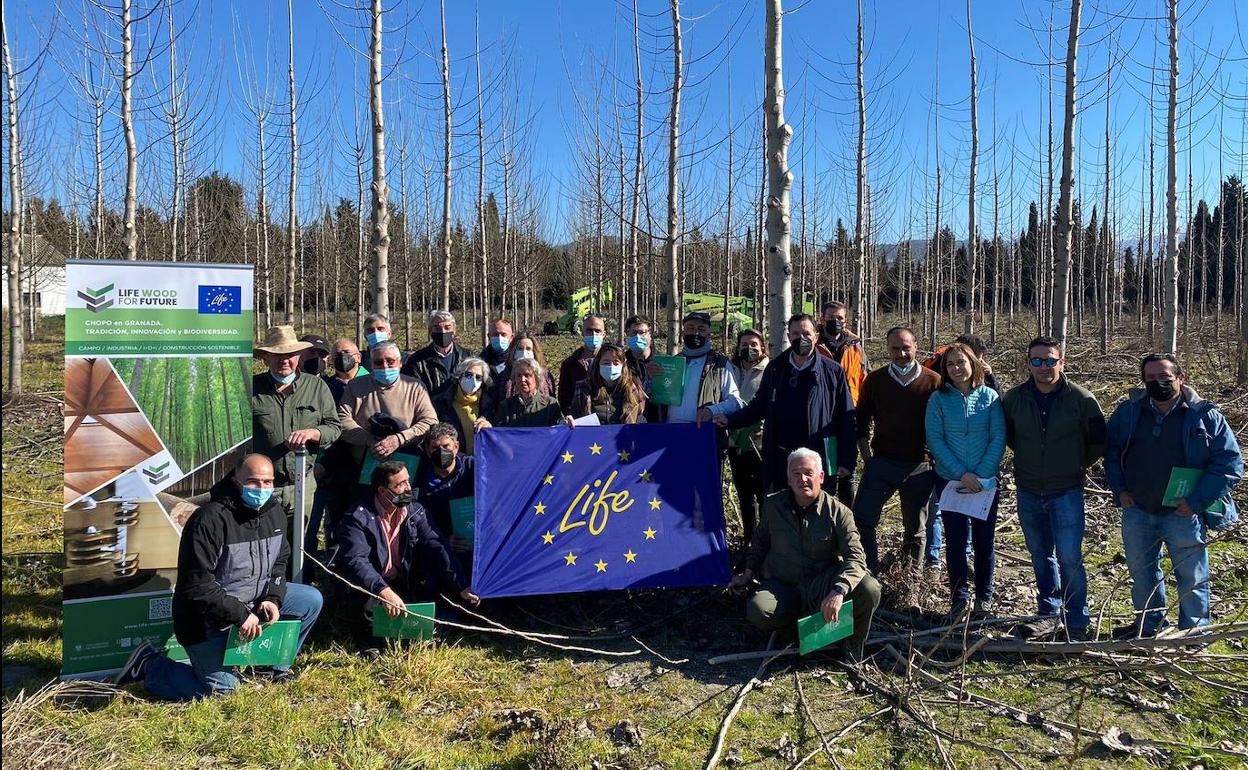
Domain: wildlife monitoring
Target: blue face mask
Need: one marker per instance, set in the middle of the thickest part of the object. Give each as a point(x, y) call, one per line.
point(638, 343)
point(377, 336)
point(284, 380)
point(610, 372)
point(255, 497)
point(386, 376)
point(904, 372)
point(500, 344)
point(594, 341)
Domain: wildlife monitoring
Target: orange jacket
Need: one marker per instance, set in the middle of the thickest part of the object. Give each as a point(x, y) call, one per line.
point(852, 361)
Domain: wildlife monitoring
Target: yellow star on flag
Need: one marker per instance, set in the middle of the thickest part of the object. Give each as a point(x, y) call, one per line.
point(630, 557)
point(623, 456)
point(601, 565)
point(595, 449)
point(548, 479)
point(567, 457)
point(548, 538)
point(655, 504)
point(570, 559)
point(649, 533)
point(645, 475)
point(540, 508)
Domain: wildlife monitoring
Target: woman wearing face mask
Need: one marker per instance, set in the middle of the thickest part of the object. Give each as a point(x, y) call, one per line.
point(744, 447)
point(965, 429)
point(611, 391)
point(526, 346)
point(469, 403)
point(528, 408)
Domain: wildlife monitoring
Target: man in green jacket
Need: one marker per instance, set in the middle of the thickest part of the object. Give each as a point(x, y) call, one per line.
point(290, 410)
point(807, 554)
point(1057, 431)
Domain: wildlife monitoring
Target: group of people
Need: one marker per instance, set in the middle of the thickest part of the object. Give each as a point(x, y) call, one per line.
point(394, 435)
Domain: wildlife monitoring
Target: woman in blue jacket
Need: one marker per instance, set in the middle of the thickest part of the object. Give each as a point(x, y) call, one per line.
point(966, 435)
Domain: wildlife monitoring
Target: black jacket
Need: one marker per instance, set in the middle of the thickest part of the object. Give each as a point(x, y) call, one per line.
point(230, 559)
point(426, 365)
point(436, 493)
point(363, 551)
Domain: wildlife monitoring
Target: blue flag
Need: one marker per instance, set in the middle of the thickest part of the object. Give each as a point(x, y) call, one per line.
point(561, 510)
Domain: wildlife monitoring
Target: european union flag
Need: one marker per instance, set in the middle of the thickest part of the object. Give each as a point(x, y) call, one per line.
point(563, 509)
point(221, 300)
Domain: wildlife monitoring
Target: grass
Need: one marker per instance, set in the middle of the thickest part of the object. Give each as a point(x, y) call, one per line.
point(483, 701)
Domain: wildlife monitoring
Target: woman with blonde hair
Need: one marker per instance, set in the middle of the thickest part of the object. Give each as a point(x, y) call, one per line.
point(611, 391)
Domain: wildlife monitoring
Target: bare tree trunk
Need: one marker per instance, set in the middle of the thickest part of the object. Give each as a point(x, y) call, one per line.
point(634, 256)
point(380, 219)
point(860, 189)
point(127, 122)
point(483, 253)
point(262, 220)
point(727, 275)
point(17, 338)
point(671, 245)
point(780, 184)
point(1107, 265)
point(446, 168)
point(972, 237)
point(174, 114)
point(292, 212)
point(1170, 301)
point(1065, 205)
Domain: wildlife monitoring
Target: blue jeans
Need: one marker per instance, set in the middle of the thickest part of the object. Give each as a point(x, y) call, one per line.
point(881, 479)
point(1187, 545)
point(1053, 528)
point(205, 675)
point(935, 530)
point(958, 529)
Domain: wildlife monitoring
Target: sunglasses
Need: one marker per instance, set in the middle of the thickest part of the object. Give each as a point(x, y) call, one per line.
point(1049, 362)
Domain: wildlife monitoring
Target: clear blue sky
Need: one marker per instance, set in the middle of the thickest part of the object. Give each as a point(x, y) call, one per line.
point(549, 56)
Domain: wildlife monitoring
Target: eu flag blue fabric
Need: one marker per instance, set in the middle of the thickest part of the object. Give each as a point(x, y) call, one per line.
point(561, 510)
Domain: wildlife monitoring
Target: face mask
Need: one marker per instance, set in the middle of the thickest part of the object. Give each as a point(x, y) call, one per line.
point(500, 343)
point(386, 376)
point(255, 497)
point(469, 384)
point(1159, 390)
point(377, 336)
point(442, 339)
point(444, 458)
point(750, 354)
point(802, 346)
point(498, 368)
point(904, 371)
point(694, 342)
point(610, 372)
point(594, 341)
point(638, 343)
point(524, 354)
point(284, 380)
point(833, 327)
point(344, 361)
point(399, 499)
point(313, 366)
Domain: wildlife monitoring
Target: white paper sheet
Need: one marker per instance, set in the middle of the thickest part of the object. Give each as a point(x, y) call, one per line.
point(974, 504)
point(589, 419)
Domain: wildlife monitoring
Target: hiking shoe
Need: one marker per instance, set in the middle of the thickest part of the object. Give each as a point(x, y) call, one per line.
point(1135, 631)
point(958, 609)
point(1085, 634)
point(983, 609)
point(1038, 629)
point(136, 664)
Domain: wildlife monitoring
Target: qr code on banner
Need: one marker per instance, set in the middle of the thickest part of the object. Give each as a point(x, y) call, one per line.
point(160, 609)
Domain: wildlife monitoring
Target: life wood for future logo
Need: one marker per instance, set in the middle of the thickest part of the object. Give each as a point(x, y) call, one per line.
point(97, 299)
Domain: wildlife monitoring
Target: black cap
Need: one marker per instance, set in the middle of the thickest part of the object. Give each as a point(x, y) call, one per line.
point(318, 342)
point(697, 316)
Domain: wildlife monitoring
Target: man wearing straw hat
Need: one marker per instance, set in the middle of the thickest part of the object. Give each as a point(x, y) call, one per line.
point(290, 410)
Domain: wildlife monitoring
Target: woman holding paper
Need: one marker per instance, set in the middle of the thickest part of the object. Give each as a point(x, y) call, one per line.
point(611, 391)
point(966, 435)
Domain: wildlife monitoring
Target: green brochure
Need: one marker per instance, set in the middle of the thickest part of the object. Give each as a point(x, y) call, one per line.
point(464, 517)
point(370, 462)
point(175, 651)
point(668, 386)
point(417, 625)
point(276, 646)
point(814, 634)
point(829, 457)
point(1183, 482)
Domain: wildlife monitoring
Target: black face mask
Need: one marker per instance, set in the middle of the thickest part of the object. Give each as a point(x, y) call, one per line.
point(694, 341)
point(442, 339)
point(344, 361)
point(750, 354)
point(313, 366)
point(833, 327)
point(1159, 390)
point(802, 346)
point(443, 458)
point(401, 499)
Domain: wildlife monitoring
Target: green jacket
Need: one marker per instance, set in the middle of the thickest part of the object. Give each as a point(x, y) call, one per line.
point(1052, 460)
point(817, 553)
point(542, 411)
point(275, 416)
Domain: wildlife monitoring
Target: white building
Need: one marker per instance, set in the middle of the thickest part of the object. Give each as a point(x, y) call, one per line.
point(43, 276)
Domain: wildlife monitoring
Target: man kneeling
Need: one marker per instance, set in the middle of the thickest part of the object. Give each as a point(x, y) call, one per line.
point(389, 547)
point(231, 572)
point(807, 553)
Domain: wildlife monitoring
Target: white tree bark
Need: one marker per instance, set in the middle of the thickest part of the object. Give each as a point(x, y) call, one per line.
point(672, 242)
point(1065, 205)
point(17, 337)
point(780, 183)
point(292, 211)
point(127, 122)
point(1170, 298)
point(972, 236)
point(381, 195)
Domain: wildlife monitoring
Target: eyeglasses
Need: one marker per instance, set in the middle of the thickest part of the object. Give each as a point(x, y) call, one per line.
point(1049, 362)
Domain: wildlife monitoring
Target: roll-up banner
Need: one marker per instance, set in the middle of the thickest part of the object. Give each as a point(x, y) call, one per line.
point(157, 409)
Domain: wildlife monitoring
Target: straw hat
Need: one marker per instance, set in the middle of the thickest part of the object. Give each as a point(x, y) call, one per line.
point(281, 340)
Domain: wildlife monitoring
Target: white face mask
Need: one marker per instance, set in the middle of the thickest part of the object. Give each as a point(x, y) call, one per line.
point(469, 384)
point(523, 353)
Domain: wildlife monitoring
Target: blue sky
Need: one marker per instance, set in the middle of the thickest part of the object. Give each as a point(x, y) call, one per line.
point(553, 59)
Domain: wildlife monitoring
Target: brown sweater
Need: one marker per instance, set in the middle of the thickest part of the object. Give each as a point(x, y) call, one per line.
point(898, 413)
point(406, 400)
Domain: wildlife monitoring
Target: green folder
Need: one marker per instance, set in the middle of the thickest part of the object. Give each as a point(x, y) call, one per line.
point(276, 646)
point(741, 437)
point(1182, 483)
point(814, 634)
point(829, 456)
point(370, 462)
point(668, 386)
point(417, 625)
point(175, 651)
point(464, 517)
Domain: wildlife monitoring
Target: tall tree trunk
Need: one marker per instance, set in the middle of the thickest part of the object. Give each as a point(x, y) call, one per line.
point(174, 112)
point(1170, 300)
point(381, 194)
point(972, 237)
point(780, 184)
point(445, 299)
point(671, 245)
point(17, 338)
point(634, 256)
point(127, 122)
point(1107, 264)
point(860, 187)
point(483, 253)
point(1065, 205)
point(292, 212)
